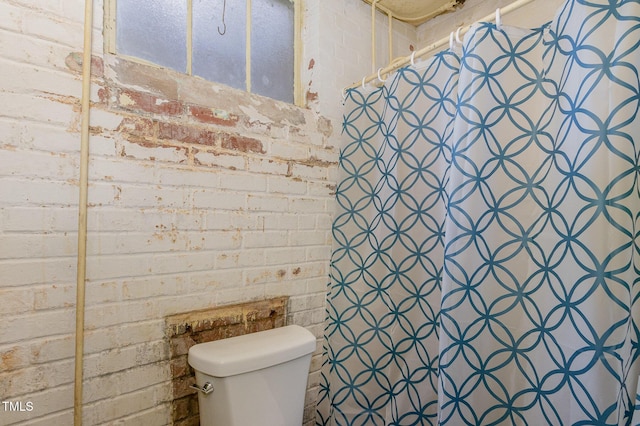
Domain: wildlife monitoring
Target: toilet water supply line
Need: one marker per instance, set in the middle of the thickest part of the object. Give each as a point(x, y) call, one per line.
point(400, 62)
point(82, 213)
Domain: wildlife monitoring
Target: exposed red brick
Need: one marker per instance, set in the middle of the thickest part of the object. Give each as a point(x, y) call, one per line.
point(218, 333)
point(209, 115)
point(137, 130)
point(184, 408)
point(240, 143)
point(211, 323)
point(312, 96)
point(181, 386)
point(103, 95)
point(186, 134)
point(262, 312)
point(97, 66)
point(180, 345)
point(132, 100)
point(180, 366)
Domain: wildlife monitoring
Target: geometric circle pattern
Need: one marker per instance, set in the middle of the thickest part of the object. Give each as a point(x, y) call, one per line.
point(485, 266)
point(386, 267)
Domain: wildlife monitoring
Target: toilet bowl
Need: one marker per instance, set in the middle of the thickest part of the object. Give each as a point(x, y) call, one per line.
point(254, 379)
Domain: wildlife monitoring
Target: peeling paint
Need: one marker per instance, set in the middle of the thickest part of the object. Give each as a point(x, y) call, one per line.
point(214, 116)
point(163, 232)
point(74, 60)
point(219, 113)
point(68, 100)
point(126, 100)
point(9, 359)
point(316, 162)
point(312, 96)
point(325, 126)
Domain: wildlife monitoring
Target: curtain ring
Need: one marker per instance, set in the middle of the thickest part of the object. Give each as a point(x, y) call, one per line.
point(413, 58)
point(379, 77)
point(451, 40)
point(498, 19)
point(458, 35)
point(363, 81)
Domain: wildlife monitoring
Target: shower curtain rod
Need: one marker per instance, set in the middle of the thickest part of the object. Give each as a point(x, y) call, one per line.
point(400, 62)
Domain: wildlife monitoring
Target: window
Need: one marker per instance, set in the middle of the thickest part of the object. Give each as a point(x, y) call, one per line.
point(248, 45)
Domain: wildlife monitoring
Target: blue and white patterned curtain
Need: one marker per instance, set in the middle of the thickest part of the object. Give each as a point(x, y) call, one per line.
point(485, 263)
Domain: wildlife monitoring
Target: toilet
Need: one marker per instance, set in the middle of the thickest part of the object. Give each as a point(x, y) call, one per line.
point(254, 379)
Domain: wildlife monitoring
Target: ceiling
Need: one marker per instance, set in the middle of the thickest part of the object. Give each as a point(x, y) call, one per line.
point(415, 12)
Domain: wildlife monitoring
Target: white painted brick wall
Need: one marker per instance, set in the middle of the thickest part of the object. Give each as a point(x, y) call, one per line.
point(163, 238)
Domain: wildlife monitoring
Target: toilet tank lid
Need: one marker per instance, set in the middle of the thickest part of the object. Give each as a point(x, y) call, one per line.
point(250, 352)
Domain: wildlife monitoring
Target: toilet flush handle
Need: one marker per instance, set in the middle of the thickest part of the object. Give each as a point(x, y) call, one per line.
point(206, 389)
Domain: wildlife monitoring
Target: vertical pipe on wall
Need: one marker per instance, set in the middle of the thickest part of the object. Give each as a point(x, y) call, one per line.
point(390, 25)
point(82, 214)
point(298, 97)
point(373, 35)
point(400, 62)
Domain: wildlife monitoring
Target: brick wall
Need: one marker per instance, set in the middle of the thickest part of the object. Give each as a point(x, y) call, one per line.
point(200, 196)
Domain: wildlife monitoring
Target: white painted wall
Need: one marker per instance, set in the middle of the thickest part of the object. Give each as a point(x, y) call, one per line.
point(338, 39)
point(531, 15)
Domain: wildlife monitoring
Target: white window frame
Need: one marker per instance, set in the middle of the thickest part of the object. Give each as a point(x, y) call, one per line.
point(110, 43)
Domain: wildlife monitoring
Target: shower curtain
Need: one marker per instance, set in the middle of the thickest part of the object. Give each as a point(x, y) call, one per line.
point(485, 263)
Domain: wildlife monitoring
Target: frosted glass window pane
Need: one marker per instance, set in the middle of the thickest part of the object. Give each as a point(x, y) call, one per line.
point(154, 30)
point(272, 48)
point(220, 57)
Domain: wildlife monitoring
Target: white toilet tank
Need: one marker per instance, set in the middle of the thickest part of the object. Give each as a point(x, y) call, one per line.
point(257, 379)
